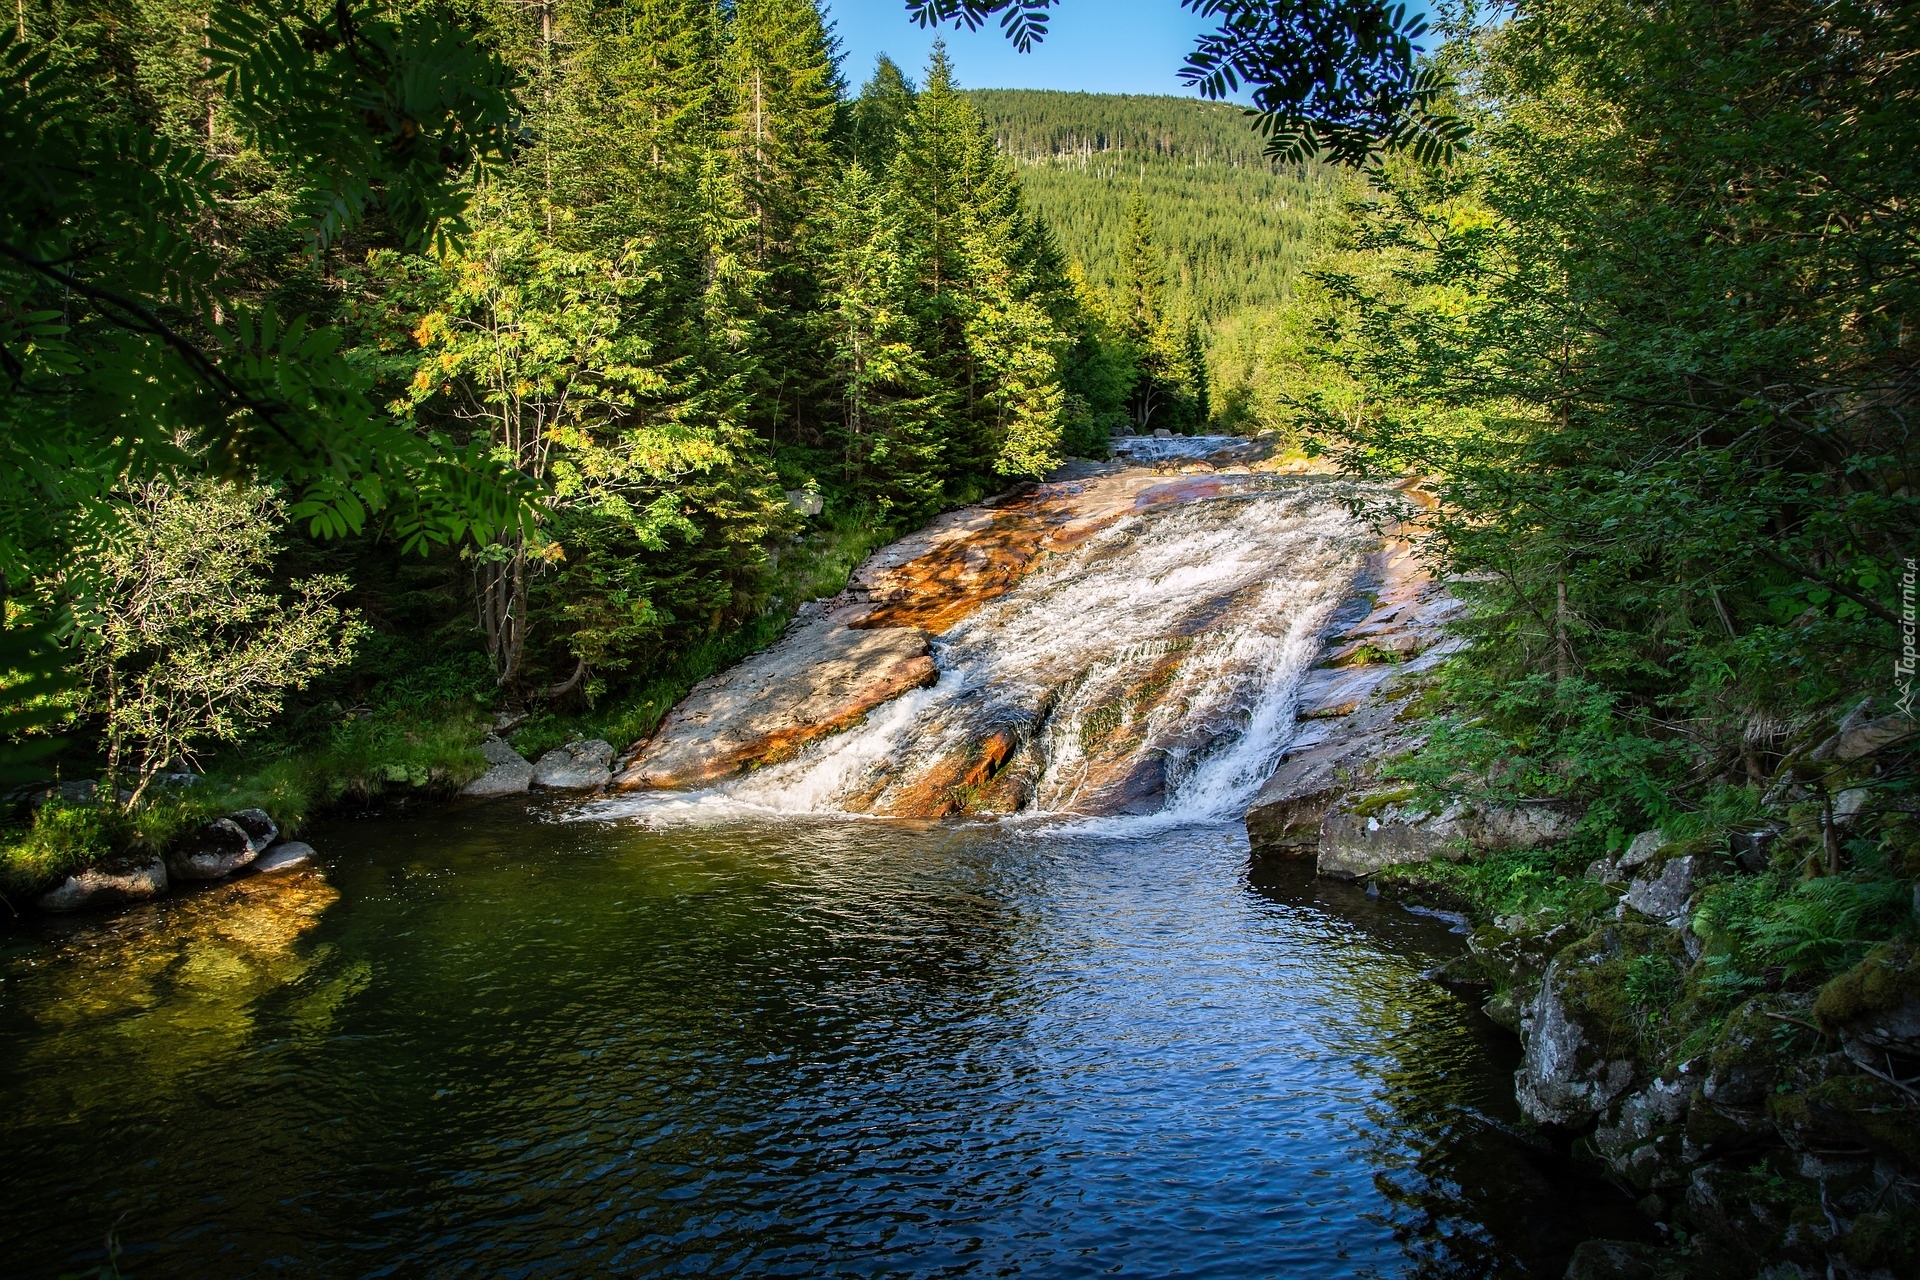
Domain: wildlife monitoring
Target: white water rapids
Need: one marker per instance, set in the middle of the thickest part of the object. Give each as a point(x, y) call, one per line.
point(1151, 671)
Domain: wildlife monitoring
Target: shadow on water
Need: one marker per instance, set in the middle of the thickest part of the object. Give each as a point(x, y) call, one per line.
point(1468, 1178)
point(495, 1043)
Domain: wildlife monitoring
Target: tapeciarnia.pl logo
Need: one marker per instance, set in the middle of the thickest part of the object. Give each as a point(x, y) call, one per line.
point(1903, 666)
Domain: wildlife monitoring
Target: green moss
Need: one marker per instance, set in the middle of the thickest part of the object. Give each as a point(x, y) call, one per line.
point(1098, 725)
point(1885, 980)
point(1369, 805)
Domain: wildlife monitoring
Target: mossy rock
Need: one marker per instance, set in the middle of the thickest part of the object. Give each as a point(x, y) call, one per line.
point(1851, 1111)
point(1885, 1240)
point(1756, 1045)
point(1373, 804)
point(1594, 973)
point(1884, 982)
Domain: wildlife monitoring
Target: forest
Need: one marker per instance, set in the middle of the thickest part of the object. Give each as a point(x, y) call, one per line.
point(704, 287)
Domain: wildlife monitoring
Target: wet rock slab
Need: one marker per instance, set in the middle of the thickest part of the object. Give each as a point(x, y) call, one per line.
point(1351, 711)
point(820, 678)
point(843, 658)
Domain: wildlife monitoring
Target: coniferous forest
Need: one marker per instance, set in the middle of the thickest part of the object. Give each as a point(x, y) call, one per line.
point(704, 285)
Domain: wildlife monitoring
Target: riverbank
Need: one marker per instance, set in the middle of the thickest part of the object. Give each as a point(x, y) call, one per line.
point(409, 748)
point(427, 739)
point(1723, 1013)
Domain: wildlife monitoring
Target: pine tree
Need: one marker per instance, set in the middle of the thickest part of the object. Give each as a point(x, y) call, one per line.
point(1194, 351)
point(784, 89)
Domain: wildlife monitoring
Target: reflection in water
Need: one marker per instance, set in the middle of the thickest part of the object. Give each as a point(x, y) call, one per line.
point(530, 1047)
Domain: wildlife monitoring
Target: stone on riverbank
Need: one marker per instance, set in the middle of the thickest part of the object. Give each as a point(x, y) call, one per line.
point(508, 772)
point(1566, 1077)
point(110, 883)
point(284, 856)
point(584, 765)
point(1363, 833)
point(223, 846)
point(1663, 895)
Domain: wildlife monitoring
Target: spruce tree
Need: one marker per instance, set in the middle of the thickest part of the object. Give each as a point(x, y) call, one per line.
point(892, 408)
point(879, 114)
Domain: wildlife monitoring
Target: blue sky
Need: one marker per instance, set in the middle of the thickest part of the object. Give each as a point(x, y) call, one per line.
point(1101, 46)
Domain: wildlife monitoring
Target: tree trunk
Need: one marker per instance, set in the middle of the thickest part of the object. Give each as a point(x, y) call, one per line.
point(500, 598)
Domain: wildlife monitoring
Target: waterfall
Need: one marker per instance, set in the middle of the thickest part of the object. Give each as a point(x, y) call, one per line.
point(1151, 670)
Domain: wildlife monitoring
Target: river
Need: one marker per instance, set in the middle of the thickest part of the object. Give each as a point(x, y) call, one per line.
point(554, 1039)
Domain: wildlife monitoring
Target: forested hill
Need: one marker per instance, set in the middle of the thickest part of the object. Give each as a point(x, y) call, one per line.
point(1235, 228)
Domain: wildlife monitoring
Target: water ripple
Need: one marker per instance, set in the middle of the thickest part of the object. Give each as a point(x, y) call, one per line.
point(526, 1048)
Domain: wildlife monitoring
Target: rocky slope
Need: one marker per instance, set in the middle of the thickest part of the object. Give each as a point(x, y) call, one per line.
point(1768, 1134)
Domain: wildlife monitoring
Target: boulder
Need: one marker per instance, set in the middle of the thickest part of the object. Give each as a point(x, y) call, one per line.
point(1644, 1137)
point(1521, 826)
point(221, 847)
point(1874, 1007)
point(1510, 955)
point(284, 856)
point(508, 772)
point(259, 826)
point(1361, 834)
point(584, 765)
point(120, 880)
point(1285, 817)
point(1641, 849)
point(1568, 1074)
point(1859, 734)
point(32, 796)
point(1664, 895)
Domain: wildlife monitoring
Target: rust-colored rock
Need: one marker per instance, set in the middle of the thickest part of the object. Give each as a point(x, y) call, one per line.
point(819, 679)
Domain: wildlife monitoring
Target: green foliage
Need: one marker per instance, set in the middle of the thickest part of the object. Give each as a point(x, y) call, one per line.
point(1802, 928)
point(1340, 78)
point(128, 351)
point(1542, 883)
point(1237, 232)
point(61, 838)
point(1669, 430)
point(182, 642)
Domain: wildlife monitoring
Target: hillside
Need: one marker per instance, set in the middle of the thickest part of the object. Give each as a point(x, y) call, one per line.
point(1235, 228)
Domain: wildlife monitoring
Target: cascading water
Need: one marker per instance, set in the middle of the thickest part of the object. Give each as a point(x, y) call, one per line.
point(1150, 670)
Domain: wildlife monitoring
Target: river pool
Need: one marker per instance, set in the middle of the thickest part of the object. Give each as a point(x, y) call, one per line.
point(526, 1040)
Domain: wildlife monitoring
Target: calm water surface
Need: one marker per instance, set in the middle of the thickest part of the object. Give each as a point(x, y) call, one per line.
point(496, 1043)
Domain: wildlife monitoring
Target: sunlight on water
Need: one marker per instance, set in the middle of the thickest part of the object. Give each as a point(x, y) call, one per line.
point(492, 1043)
